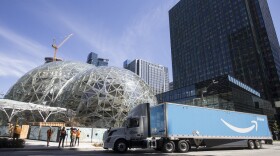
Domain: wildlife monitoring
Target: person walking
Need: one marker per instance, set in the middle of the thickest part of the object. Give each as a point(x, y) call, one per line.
point(49, 135)
point(72, 136)
point(78, 133)
point(62, 136)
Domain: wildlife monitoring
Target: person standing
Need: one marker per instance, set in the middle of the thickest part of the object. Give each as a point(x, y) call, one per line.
point(11, 130)
point(17, 131)
point(72, 136)
point(49, 135)
point(62, 137)
point(78, 133)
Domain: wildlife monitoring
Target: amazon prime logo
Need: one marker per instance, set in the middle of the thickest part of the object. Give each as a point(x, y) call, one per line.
point(242, 130)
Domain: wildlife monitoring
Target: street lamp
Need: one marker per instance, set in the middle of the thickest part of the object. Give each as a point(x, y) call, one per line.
point(205, 91)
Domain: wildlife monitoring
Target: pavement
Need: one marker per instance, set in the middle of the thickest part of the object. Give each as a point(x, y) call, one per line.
point(42, 145)
point(37, 145)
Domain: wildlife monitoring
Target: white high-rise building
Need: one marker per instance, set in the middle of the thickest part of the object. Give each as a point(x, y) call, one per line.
point(156, 76)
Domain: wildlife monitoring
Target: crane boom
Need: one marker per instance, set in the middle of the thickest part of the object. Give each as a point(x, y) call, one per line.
point(56, 47)
point(64, 40)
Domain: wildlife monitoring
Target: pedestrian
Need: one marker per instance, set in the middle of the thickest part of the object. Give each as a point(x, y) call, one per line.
point(78, 133)
point(17, 131)
point(72, 136)
point(11, 130)
point(49, 135)
point(62, 136)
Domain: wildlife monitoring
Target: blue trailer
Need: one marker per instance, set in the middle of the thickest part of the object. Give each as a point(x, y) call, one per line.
point(169, 127)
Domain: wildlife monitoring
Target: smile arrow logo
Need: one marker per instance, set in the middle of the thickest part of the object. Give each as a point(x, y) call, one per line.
point(242, 130)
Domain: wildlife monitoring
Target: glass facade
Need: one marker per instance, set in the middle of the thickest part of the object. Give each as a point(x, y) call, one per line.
point(210, 38)
point(93, 59)
point(102, 62)
point(226, 94)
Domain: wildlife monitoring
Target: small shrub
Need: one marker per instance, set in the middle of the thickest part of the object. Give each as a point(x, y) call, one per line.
point(9, 143)
point(20, 143)
point(3, 142)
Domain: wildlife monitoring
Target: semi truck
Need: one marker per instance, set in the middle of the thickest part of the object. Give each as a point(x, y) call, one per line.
point(170, 127)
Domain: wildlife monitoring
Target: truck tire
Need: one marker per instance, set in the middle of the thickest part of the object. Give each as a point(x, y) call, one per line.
point(251, 144)
point(120, 146)
point(168, 147)
point(257, 144)
point(182, 146)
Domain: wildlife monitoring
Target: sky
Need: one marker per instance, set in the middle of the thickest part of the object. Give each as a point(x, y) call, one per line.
point(114, 29)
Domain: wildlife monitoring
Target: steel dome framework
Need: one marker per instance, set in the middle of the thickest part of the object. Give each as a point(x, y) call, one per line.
point(99, 96)
point(42, 84)
point(102, 96)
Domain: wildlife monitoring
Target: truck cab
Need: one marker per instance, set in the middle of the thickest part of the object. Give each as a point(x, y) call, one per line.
point(132, 134)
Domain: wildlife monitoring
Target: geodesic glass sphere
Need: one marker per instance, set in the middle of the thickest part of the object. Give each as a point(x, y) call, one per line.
point(103, 96)
point(41, 84)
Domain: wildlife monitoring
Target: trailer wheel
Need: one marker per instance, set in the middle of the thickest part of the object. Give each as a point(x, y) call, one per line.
point(258, 144)
point(120, 146)
point(182, 146)
point(251, 144)
point(168, 147)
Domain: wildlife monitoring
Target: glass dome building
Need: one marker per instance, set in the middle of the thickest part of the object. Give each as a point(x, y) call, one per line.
point(41, 84)
point(102, 96)
point(99, 96)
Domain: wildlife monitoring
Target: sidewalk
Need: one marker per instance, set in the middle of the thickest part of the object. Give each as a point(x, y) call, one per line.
point(42, 145)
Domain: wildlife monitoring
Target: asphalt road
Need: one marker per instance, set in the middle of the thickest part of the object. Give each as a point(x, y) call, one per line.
point(268, 150)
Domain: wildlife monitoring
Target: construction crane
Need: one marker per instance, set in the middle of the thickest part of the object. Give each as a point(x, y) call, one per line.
point(56, 47)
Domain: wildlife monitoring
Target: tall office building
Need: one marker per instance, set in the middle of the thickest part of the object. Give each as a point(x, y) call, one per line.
point(156, 76)
point(102, 62)
point(210, 38)
point(93, 59)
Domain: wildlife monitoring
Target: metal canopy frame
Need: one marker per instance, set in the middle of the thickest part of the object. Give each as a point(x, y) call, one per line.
point(17, 106)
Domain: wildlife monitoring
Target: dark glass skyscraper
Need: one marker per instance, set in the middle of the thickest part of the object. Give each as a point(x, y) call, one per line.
point(210, 38)
point(93, 59)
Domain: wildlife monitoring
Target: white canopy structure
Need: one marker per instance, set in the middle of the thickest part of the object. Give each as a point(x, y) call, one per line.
point(17, 106)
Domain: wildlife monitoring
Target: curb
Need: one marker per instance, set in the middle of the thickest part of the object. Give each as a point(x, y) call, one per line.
point(50, 148)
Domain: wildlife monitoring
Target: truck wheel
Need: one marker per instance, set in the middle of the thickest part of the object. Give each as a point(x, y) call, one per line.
point(120, 146)
point(168, 147)
point(251, 144)
point(182, 146)
point(258, 144)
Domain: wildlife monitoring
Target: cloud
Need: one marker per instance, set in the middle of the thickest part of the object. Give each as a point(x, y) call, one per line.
point(136, 39)
point(23, 55)
point(10, 66)
point(28, 46)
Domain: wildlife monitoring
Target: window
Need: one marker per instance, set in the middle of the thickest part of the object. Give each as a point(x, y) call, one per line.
point(133, 122)
point(257, 105)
